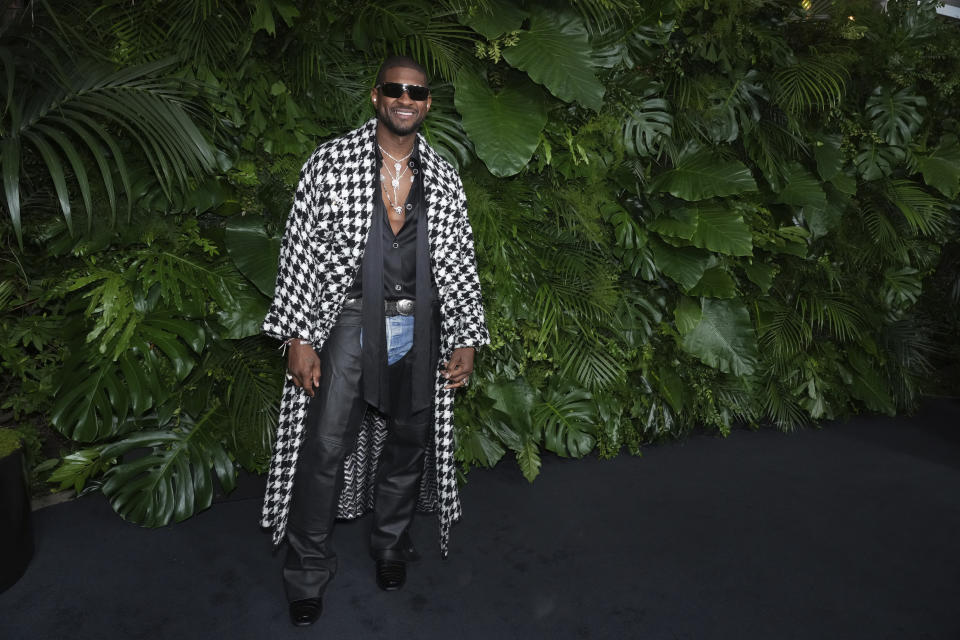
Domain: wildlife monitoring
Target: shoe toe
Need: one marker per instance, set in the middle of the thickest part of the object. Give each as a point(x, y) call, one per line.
point(391, 574)
point(305, 612)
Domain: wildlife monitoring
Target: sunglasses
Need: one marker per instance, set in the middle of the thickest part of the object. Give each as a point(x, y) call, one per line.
point(397, 89)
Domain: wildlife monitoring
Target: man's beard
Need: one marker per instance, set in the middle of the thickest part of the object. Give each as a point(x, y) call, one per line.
point(383, 116)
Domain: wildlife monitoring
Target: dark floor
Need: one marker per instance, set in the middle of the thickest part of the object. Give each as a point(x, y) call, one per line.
point(852, 531)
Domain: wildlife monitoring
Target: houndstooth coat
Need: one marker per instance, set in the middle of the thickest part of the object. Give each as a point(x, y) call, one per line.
point(319, 257)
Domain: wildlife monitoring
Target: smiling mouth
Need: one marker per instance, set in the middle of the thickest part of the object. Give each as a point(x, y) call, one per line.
point(404, 113)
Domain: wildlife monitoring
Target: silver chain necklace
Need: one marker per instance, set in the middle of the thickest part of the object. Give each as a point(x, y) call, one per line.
point(398, 170)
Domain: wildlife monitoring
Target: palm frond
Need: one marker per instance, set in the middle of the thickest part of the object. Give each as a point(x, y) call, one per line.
point(835, 312)
point(592, 364)
point(813, 83)
point(924, 213)
point(72, 119)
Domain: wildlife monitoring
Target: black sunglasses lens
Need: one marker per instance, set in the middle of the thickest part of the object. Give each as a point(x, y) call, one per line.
point(418, 93)
point(395, 90)
point(391, 89)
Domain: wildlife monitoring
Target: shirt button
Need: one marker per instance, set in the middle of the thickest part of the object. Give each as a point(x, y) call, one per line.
point(409, 207)
point(397, 287)
point(395, 245)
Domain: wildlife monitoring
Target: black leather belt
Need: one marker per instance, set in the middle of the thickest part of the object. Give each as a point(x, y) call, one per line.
point(401, 307)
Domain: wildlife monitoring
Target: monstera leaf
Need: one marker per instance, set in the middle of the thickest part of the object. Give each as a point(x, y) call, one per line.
point(566, 417)
point(647, 122)
point(895, 115)
point(876, 161)
point(174, 479)
point(505, 125)
point(93, 403)
point(722, 337)
point(705, 174)
point(556, 53)
point(254, 251)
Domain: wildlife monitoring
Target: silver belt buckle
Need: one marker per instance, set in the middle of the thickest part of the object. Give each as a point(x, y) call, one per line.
point(405, 307)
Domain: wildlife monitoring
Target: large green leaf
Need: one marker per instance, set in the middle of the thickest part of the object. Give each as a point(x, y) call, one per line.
point(529, 459)
point(677, 222)
point(495, 18)
point(244, 318)
point(174, 479)
point(715, 283)
point(760, 274)
point(515, 399)
point(722, 230)
point(254, 251)
point(705, 174)
point(829, 157)
point(556, 53)
point(724, 338)
point(801, 188)
point(687, 314)
point(941, 167)
point(684, 265)
point(503, 125)
point(820, 222)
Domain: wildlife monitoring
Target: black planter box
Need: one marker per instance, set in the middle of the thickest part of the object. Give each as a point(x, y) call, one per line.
point(16, 533)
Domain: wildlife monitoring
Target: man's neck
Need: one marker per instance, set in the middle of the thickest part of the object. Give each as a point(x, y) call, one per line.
point(397, 146)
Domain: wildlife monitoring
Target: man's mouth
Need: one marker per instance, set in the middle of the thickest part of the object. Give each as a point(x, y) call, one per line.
point(405, 114)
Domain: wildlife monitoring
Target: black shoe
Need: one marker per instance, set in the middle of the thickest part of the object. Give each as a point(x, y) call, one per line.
point(304, 613)
point(391, 574)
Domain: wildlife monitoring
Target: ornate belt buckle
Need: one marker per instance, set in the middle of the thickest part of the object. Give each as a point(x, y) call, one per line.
point(405, 307)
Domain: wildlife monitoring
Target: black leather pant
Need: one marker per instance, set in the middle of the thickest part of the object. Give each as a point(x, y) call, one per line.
point(332, 424)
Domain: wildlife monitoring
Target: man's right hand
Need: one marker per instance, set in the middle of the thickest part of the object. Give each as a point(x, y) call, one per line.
point(304, 366)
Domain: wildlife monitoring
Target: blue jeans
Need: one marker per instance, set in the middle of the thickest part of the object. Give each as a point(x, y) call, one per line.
point(399, 330)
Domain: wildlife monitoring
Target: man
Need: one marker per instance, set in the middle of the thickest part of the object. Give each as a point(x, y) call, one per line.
point(378, 302)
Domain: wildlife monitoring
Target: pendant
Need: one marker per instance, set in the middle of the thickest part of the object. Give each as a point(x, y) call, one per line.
point(398, 211)
point(396, 167)
point(395, 183)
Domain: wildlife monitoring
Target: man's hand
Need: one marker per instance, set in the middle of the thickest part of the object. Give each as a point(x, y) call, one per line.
point(304, 366)
point(459, 368)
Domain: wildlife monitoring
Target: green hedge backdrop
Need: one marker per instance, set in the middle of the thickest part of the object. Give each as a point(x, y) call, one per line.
point(687, 214)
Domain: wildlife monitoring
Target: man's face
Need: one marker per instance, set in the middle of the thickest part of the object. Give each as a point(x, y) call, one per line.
point(402, 115)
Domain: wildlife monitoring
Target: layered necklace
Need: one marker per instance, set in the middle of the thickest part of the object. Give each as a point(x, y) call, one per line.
point(399, 169)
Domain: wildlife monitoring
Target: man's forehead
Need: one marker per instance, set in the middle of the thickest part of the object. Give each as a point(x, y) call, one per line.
point(406, 75)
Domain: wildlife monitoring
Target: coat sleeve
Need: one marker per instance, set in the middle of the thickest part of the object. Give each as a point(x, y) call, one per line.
point(471, 325)
point(291, 312)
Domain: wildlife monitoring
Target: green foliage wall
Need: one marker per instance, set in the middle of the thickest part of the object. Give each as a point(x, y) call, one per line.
point(686, 214)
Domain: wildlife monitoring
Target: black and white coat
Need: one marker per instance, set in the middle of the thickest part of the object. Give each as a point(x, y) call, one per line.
point(319, 258)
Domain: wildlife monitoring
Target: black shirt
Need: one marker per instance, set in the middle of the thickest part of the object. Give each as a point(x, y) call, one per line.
point(400, 250)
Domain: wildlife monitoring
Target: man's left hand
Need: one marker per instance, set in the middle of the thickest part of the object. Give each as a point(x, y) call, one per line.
point(459, 367)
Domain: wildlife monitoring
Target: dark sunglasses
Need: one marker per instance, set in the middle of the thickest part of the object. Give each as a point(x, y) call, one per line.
point(396, 89)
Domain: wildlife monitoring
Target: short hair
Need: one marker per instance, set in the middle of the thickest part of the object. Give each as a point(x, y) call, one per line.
point(401, 61)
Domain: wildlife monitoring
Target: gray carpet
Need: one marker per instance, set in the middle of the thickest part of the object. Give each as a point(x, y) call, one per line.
point(851, 531)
